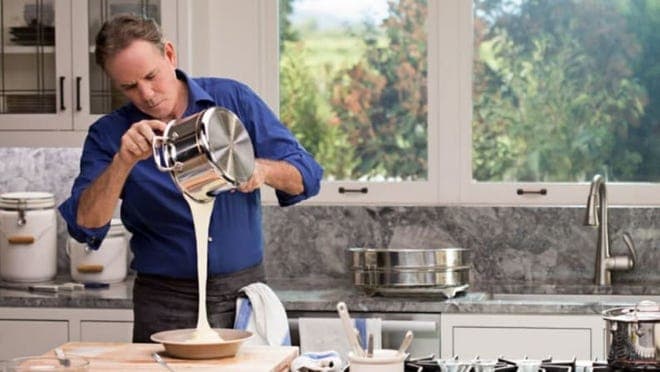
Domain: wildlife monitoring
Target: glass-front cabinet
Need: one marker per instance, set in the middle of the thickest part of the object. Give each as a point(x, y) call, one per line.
point(48, 78)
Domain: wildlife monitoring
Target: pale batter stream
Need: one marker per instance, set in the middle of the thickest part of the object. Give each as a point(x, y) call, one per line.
point(201, 214)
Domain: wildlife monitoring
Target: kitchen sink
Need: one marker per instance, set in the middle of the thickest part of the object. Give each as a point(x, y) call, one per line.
point(573, 298)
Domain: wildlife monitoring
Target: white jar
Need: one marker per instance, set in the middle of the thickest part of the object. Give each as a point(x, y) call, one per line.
point(108, 264)
point(28, 237)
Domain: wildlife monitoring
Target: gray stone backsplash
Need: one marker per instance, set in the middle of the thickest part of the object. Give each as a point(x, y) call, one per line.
point(513, 248)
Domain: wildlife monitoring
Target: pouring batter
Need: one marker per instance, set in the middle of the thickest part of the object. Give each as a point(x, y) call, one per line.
point(201, 213)
point(115, 164)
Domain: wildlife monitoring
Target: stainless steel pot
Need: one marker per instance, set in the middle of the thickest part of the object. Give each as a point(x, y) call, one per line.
point(389, 258)
point(206, 153)
point(393, 271)
point(633, 339)
point(412, 277)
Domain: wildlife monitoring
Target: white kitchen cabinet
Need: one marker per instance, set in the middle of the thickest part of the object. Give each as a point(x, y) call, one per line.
point(50, 87)
point(515, 336)
point(425, 326)
point(33, 331)
point(31, 337)
point(106, 331)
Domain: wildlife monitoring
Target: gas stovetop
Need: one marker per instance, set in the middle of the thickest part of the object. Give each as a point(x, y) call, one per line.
point(430, 363)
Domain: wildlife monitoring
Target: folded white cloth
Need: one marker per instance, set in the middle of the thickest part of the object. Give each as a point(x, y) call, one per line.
point(325, 361)
point(263, 314)
point(318, 334)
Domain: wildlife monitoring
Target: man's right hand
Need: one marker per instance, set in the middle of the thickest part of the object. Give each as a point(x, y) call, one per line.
point(136, 142)
point(97, 203)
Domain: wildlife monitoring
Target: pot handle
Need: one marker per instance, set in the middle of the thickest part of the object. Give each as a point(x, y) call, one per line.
point(160, 157)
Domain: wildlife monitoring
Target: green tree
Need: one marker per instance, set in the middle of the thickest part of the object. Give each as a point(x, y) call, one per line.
point(643, 16)
point(304, 108)
point(308, 115)
point(381, 101)
point(554, 97)
point(287, 33)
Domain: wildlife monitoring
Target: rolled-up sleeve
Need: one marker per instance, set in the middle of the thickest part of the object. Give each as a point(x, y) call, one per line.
point(93, 162)
point(273, 140)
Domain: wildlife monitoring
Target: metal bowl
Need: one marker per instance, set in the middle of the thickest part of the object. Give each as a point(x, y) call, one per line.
point(176, 343)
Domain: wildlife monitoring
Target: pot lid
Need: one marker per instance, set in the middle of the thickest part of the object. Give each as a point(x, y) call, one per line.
point(645, 311)
point(228, 144)
point(27, 200)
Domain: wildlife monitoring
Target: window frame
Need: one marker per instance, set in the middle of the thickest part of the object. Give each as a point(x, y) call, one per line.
point(450, 182)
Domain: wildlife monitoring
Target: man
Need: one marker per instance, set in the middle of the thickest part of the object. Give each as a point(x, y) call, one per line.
point(117, 163)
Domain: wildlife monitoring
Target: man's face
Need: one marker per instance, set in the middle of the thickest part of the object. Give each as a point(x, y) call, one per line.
point(147, 78)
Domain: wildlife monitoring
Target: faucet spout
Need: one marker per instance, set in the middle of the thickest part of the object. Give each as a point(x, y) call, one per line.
point(597, 215)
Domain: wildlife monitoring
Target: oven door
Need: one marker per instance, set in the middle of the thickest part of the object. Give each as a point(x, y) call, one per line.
point(426, 329)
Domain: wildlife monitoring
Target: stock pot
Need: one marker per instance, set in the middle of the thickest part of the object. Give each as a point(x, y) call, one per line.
point(206, 153)
point(407, 271)
point(633, 340)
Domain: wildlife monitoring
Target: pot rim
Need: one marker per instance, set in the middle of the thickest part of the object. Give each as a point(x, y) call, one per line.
point(644, 311)
point(368, 249)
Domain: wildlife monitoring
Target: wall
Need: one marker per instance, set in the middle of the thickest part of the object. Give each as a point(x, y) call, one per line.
point(511, 246)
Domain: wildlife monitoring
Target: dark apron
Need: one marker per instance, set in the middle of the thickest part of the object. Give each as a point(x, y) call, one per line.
point(161, 303)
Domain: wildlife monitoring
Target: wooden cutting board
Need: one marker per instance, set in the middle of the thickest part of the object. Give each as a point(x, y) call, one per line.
point(106, 356)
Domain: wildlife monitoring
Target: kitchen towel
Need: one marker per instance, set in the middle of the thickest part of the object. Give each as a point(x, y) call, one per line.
point(317, 334)
point(263, 314)
point(325, 361)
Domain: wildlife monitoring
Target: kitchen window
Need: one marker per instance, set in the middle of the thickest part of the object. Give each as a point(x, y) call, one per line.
point(522, 101)
point(353, 80)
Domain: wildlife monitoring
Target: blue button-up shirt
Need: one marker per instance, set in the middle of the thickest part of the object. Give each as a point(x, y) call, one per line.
point(153, 208)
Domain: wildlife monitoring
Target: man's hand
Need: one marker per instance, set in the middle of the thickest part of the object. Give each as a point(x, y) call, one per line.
point(136, 142)
point(97, 203)
point(277, 174)
point(257, 179)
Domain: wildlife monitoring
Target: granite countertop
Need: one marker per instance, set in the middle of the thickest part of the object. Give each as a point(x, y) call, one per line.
point(303, 298)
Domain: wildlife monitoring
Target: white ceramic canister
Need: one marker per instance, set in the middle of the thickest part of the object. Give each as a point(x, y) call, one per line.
point(28, 236)
point(108, 264)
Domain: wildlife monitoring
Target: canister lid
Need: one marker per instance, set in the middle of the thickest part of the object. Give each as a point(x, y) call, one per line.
point(645, 311)
point(26, 200)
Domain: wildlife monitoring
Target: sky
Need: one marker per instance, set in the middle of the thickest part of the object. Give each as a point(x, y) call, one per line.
point(344, 10)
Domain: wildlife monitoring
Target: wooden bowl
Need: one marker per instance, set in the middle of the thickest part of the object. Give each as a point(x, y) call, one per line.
point(176, 343)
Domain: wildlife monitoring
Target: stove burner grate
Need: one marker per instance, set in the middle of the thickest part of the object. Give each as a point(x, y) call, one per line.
point(431, 364)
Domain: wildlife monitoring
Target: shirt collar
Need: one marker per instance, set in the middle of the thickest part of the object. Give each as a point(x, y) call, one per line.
point(196, 95)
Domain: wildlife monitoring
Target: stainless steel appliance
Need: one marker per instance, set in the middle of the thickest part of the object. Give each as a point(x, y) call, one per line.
point(431, 364)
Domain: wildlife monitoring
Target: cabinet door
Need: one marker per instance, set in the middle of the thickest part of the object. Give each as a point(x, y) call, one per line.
point(94, 94)
point(106, 331)
point(393, 328)
point(31, 337)
point(517, 336)
point(35, 65)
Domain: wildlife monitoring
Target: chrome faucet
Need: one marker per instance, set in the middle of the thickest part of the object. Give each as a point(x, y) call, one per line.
point(597, 216)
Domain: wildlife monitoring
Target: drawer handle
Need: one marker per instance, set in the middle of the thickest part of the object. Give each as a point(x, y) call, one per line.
point(21, 239)
point(62, 107)
point(362, 190)
point(90, 269)
point(78, 80)
point(539, 192)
